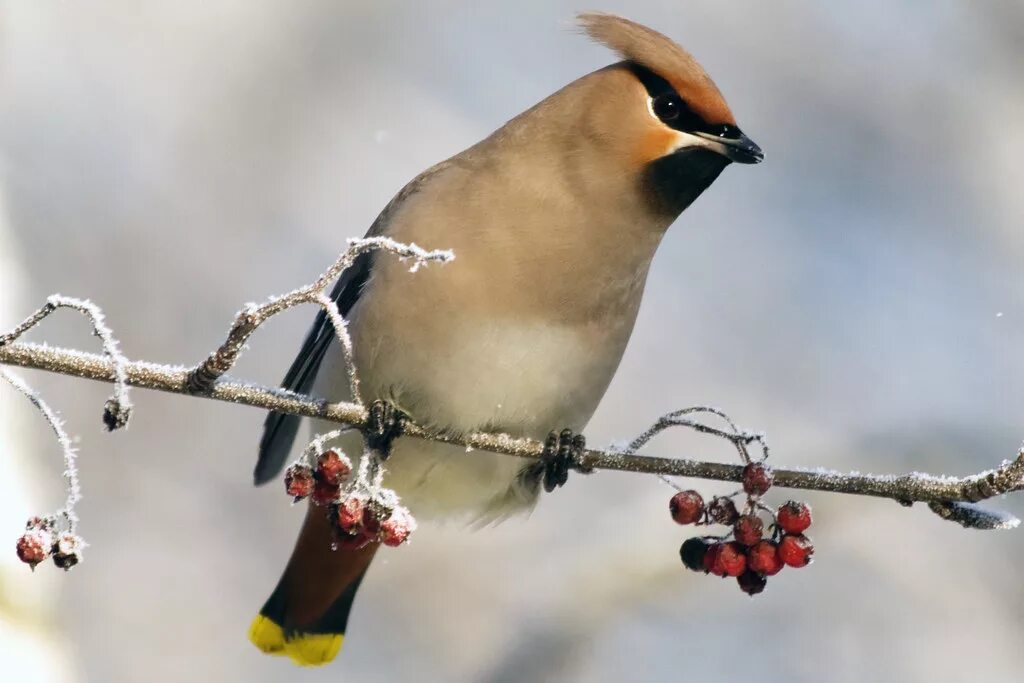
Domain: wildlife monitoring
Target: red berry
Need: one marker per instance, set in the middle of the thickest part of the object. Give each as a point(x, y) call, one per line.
point(711, 559)
point(757, 478)
point(751, 583)
point(687, 507)
point(298, 481)
point(796, 550)
point(794, 517)
point(748, 529)
point(67, 551)
point(34, 547)
point(731, 560)
point(722, 511)
point(763, 558)
point(350, 513)
point(396, 529)
point(332, 467)
point(325, 494)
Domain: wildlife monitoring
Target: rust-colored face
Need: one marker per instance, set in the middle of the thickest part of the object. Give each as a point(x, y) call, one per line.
point(685, 107)
point(681, 122)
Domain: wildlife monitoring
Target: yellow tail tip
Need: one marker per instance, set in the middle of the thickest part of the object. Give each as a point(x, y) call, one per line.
point(313, 649)
point(305, 649)
point(266, 635)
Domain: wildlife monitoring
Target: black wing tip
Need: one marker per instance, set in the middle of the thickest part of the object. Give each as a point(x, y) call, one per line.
point(279, 429)
point(266, 470)
point(261, 477)
point(279, 432)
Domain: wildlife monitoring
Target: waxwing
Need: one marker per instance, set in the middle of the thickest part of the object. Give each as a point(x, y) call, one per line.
point(554, 219)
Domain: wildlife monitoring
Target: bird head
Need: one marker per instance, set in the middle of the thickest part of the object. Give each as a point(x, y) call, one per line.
point(657, 117)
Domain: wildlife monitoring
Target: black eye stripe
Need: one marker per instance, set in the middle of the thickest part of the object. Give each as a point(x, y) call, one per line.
point(725, 131)
point(686, 120)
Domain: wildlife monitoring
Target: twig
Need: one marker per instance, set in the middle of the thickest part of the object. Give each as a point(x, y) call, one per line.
point(903, 488)
point(739, 438)
point(70, 468)
point(117, 409)
point(249, 319)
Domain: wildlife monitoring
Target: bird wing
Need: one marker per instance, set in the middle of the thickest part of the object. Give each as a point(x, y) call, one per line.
point(279, 429)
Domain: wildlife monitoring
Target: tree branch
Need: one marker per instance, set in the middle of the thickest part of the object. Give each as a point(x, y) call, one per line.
point(950, 498)
point(117, 409)
point(906, 488)
point(252, 316)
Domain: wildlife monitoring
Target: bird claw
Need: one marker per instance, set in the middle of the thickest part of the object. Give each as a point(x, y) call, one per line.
point(563, 451)
point(384, 424)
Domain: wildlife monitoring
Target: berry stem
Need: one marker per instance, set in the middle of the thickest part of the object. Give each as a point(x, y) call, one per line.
point(69, 453)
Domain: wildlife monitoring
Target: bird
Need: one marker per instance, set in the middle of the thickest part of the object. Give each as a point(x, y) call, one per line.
point(554, 220)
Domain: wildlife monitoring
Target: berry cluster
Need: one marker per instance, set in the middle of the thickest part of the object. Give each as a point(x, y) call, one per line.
point(360, 513)
point(41, 541)
point(749, 556)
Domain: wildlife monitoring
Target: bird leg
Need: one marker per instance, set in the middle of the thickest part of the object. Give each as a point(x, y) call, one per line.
point(384, 424)
point(563, 451)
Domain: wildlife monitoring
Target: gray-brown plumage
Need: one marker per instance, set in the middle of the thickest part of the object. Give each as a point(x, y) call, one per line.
point(554, 220)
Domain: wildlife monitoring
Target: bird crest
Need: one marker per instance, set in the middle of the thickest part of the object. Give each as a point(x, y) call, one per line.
point(658, 53)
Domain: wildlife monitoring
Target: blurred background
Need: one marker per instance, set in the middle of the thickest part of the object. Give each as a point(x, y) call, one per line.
point(858, 296)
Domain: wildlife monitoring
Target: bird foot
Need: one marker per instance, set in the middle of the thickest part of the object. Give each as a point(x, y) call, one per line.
point(384, 424)
point(563, 451)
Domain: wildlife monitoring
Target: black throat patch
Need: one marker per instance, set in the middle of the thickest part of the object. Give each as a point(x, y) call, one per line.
point(672, 182)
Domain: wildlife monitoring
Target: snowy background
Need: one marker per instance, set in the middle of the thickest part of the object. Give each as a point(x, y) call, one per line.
point(859, 296)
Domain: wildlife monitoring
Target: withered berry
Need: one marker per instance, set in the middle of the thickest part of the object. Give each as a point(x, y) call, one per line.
point(687, 507)
point(722, 510)
point(757, 479)
point(67, 551)
point(298, 481)
point(36, 522)
point(692, 553)
point(751, 583)
point(748, 529)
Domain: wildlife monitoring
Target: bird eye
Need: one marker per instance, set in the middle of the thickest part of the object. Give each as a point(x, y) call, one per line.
point(667, 107)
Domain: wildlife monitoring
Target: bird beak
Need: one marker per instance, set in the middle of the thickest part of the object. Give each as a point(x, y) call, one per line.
point(742, 150)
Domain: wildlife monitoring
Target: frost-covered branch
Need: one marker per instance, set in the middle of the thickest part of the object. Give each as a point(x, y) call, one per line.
point(252, 315)
point(905, 488)
point(117, 409)
point(368, 512)
point(67, 449)
point(52, 535)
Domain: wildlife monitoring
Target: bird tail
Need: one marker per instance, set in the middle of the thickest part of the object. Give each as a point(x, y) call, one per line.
point(306, 616)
